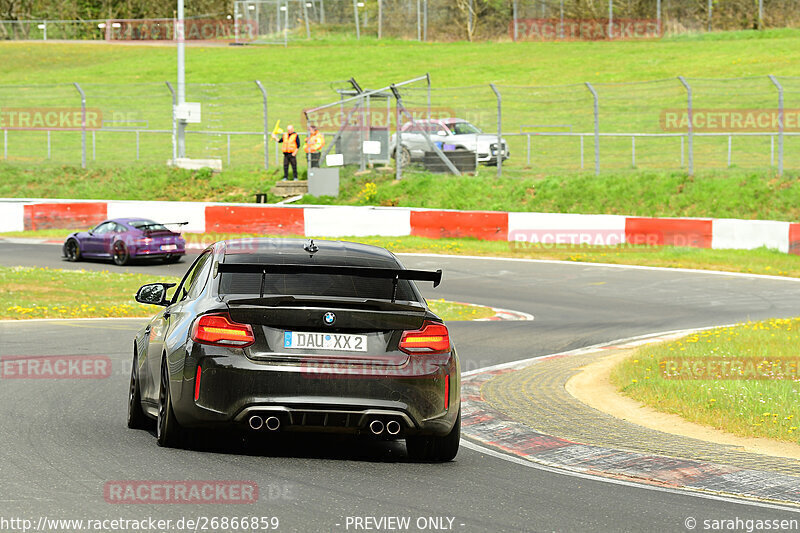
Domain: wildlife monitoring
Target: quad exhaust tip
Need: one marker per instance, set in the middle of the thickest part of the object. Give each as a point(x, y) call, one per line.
point(393, 427)
point(376, 427)
point(256, 422)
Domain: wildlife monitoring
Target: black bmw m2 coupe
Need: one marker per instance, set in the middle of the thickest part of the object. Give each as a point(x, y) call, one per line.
point(270, 335)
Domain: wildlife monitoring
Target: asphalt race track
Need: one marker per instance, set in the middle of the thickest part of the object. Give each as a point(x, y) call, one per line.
point(63, 440)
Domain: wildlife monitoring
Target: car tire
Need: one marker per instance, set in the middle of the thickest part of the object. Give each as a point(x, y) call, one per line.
point(436, 449)
point(171, 258)
point(169, 433)
point(120, 253)
point(405, 156)
point(136, 417)
point(72, 250)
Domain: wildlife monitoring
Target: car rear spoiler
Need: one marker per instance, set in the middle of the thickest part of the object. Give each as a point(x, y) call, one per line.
point(395, 274)
point(162, 224)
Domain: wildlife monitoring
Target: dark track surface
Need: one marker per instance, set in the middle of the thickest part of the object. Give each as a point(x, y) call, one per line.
point(64, 439)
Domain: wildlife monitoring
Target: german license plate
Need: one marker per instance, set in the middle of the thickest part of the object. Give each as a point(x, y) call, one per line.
point(324, 341)
point(169, 247)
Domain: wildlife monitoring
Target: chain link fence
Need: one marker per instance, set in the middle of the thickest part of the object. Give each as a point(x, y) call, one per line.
point(681, 124)
point(281, 21)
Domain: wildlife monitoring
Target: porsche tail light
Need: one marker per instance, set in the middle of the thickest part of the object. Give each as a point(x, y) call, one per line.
point(220, 330)
point(432, 338)
point(197, 383)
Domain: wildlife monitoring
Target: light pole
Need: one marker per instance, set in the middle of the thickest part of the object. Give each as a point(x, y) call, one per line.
point(181, 37)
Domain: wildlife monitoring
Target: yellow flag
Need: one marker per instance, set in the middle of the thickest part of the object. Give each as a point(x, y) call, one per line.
point(277, 130)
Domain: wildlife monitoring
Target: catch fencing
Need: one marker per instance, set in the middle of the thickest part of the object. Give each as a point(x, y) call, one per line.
point(281, 21)
point(681, 124)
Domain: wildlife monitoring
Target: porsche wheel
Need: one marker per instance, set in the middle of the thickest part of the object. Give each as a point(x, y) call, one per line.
point(72, 250)
point(120, 253)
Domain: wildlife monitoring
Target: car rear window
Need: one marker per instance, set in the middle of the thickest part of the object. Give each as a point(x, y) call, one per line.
point(314, 285)
point(148, 224)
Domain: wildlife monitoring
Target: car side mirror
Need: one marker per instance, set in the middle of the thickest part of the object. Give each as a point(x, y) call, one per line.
point(154, 293)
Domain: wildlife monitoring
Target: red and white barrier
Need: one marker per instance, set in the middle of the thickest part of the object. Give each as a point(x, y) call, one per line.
point(343, 221)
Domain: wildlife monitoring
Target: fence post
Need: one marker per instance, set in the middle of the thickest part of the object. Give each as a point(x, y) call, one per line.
point(235, 22)
point(515, 15)
point(710, 11)
point(561, 20)
point(610, 19)
point(266, 124)
point(174, 124)
point(658, 16)
point(596, 129)
point(529, 150)
point(398, 165)
point(777, 84)
point(500, 151)
point(419, 23)
point(83, 124)
point(730, 143)
point(428, 76)
point(691, 124)
point(380, 18)
point(425, 20)
point(760, 14)
point(305, 17)
point(286, 25)
point(355, 16)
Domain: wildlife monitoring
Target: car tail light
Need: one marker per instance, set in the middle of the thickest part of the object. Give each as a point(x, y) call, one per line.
point(432, 338)
point(197, 383)
point(220, 330)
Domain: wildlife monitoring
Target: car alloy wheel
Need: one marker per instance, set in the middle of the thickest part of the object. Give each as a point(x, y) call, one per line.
point(73, 251)
point(168, 432)
point(136, 416)
point(120, 253)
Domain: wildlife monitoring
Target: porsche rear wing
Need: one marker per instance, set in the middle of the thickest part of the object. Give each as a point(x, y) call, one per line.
point(395, 274)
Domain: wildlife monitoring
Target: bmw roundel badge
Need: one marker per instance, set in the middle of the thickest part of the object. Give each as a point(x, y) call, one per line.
point(329, 318)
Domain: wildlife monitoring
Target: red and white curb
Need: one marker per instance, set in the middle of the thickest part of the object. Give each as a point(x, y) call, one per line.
point(519, 229)
point(489, 429)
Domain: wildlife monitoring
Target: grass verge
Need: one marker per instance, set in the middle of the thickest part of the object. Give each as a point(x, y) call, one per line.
point(759, 261)
point(718, 194)
point(742, 379)
point(33, 292)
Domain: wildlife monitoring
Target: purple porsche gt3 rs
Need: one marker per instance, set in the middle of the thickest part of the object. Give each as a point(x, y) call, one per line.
point(123, 239)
